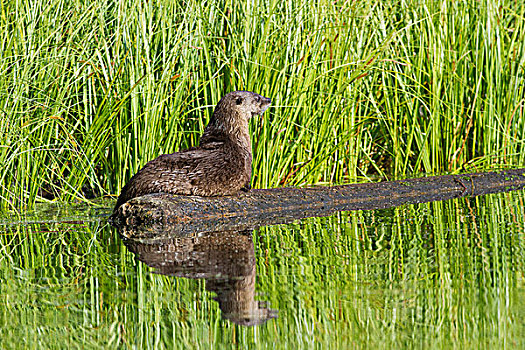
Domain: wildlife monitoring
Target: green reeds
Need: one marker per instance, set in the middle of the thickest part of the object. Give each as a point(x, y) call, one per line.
point(91, 92)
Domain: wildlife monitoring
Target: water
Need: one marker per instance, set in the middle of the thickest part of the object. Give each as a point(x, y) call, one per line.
point(441, 274)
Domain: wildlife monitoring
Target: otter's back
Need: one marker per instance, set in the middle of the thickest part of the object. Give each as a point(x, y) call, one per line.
point(216, 170)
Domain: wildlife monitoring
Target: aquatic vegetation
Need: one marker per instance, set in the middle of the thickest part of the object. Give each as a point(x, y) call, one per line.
point(89, 92)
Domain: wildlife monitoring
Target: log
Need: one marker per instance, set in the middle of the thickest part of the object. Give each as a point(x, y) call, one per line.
point(180, 215)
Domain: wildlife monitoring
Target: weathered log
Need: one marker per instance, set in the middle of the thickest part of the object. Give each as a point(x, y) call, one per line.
point(185, 214)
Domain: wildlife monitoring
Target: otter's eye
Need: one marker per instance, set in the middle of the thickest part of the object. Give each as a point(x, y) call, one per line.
point(238, 101)
point(257, 98)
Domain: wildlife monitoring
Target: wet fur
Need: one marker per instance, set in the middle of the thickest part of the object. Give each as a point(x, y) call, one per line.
point(220, 166)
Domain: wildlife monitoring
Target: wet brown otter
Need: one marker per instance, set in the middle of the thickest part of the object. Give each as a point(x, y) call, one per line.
point(220, 166)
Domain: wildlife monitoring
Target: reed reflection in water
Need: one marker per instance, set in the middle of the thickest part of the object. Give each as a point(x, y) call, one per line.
point(435, 275)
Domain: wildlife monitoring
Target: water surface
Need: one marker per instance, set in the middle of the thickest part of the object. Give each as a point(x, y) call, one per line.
point(436, 274)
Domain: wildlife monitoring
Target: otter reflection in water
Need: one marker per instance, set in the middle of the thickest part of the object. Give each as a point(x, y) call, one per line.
point(220, 166)
point(225, 259)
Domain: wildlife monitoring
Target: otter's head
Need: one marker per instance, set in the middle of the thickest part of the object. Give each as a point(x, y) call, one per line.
point(245, 104)
point(232, 113)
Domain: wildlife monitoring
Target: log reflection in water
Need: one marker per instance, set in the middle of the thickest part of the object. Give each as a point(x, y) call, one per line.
point(225, 259)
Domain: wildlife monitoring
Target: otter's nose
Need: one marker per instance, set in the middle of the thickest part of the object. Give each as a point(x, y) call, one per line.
point(266, 100)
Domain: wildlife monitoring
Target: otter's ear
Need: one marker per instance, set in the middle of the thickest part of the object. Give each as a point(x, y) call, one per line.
point(238, 100)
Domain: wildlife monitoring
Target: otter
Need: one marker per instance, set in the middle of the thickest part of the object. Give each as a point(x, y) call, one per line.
point(219, 166)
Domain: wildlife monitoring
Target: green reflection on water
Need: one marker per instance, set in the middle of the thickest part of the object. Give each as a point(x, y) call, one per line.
point(435, 275)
